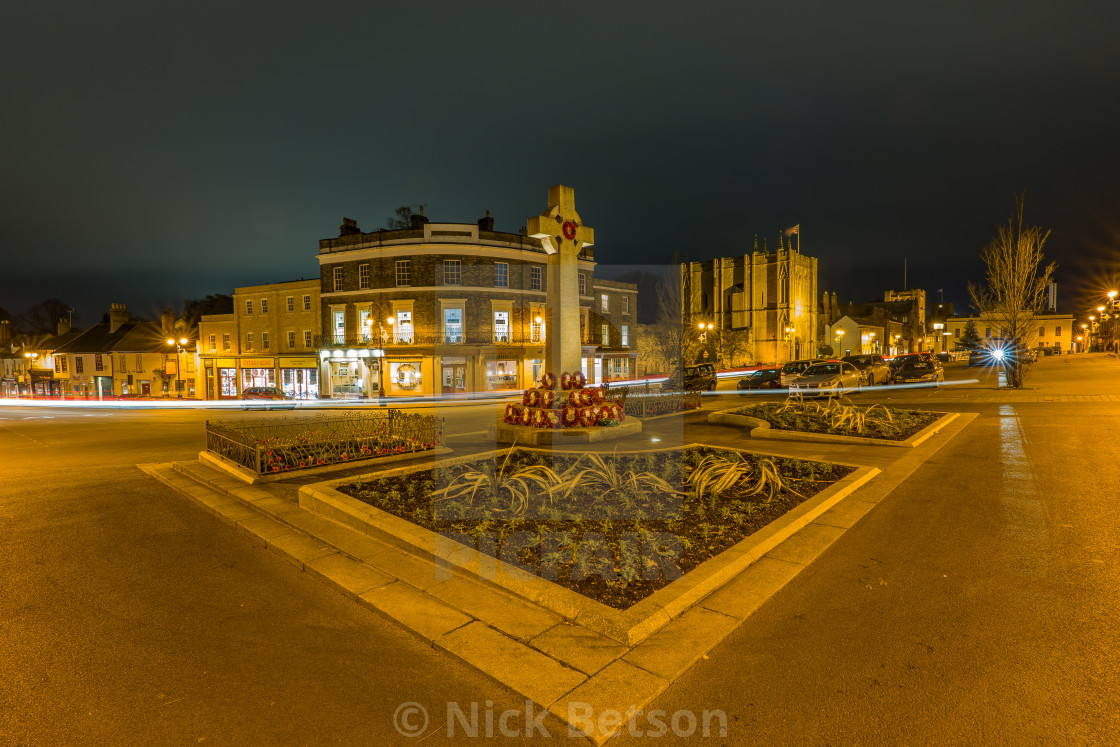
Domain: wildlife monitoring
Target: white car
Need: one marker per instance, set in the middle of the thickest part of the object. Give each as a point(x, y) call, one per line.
point(831, 379)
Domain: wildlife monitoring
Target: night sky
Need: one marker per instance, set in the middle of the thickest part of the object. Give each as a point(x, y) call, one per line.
point(151, 153)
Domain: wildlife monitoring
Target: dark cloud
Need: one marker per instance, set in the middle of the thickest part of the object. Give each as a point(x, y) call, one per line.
point(150, 152)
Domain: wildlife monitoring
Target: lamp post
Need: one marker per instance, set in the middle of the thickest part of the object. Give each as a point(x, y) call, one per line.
point(178, 371)
point(381, 344)
point(31, 358)
point(839, 343)
point(789, 339)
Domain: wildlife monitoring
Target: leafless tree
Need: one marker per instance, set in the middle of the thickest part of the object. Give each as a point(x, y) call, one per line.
point(1015, 288)
point(670, 322)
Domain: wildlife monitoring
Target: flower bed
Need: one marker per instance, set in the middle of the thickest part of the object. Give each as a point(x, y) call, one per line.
point(269, 446)
point(643, 404)
point(606, 526)
point(876, 421)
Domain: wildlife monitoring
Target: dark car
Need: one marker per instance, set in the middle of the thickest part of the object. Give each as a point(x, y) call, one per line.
point(920, 372)
point(701, 377)
point(792, 369)
point(899, 361)
point(874, 369)
point(268, 397)
point(763, 378)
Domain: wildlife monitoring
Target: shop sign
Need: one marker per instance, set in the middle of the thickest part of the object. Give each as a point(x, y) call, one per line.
point(450, 361)
point(225, 362)
point(258, 362)
point(299, 363)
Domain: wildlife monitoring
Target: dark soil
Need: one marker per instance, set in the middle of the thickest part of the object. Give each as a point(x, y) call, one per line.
point(902, 423)
point(617, 545)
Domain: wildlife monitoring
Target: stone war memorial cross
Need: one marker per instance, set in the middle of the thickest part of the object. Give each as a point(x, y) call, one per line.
point(563, 236)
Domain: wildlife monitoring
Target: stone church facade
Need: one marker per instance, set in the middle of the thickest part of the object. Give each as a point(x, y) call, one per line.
point(768, 296)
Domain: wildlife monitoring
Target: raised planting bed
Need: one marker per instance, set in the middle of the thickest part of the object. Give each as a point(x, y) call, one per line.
point(642, 403)
point(833, 418)
point(613, 527)
point(269, 445)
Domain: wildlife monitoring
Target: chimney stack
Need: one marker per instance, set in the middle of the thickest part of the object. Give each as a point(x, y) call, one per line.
point(487, 223)
point(418, 220)
point(118, 315)
point(349, 227)
point(64, 325)
point(167, 321)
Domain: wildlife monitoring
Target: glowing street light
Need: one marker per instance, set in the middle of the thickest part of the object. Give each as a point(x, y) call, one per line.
point(179, 344)
point(31, 358)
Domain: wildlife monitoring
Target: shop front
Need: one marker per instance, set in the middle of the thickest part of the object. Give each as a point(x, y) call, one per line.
point(258, 372)
point(221, 378)
point(406, 377)
point(501, 375)
point(348, 375)
point(299, 377)
point(453, 379)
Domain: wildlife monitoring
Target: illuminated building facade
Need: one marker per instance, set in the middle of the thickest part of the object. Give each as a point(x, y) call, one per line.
point(268, 340)
point(771, 294)
point(454, 308)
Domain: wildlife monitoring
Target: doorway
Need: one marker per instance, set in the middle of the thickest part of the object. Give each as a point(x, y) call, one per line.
point(454, 378)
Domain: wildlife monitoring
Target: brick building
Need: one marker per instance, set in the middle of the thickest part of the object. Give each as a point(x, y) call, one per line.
point(269, 340)
point(454, 308)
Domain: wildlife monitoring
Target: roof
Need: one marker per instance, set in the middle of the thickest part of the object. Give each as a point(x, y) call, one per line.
point(130, 337)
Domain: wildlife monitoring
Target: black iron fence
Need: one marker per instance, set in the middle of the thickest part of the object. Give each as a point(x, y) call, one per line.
point(642, 403)
point(271, 445)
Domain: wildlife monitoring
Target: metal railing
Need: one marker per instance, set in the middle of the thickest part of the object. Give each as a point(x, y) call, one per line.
point(272, 445)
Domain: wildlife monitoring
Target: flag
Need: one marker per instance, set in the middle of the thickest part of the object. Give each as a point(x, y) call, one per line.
point(793, 230)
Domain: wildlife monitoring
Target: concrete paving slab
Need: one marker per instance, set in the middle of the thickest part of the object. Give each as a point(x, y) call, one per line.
point(352, 576)
point(275, 506)
point(354, 544)
point(514, 664)
point(744, 594)
point(299, 548)
point(512, 616)
point(579, 647)
point(807, 544)
point(676, 647)
point(599, 708)
point(263, 527)
point(418, 572)
point(845, 513)
point(409, 606)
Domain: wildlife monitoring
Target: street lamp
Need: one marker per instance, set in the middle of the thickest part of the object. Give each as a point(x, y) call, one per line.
point(381, 343)
point(178, 371)
point(31, 357)
point(789, 339)
point(839, 342)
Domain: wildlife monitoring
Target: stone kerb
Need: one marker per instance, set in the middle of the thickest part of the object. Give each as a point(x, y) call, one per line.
point(525, 434)
point(760, 428)
point(630, 626)
point(217, 461)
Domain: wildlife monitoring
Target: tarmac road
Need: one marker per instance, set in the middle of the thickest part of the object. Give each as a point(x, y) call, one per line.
point(979, 603)
point(130, 616)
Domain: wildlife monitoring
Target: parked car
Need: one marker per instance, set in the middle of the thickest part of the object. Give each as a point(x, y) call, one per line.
point(919, 372)
point(267, 397)
point(984, 357)
point(763, 378)
point(874, 369)
point(792, 369)
point(833, 378)
point(898, 361)
point(701, 377)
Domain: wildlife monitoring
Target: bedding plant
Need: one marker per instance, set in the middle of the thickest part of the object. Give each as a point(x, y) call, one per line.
point(839, 419)
point(612, 526)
